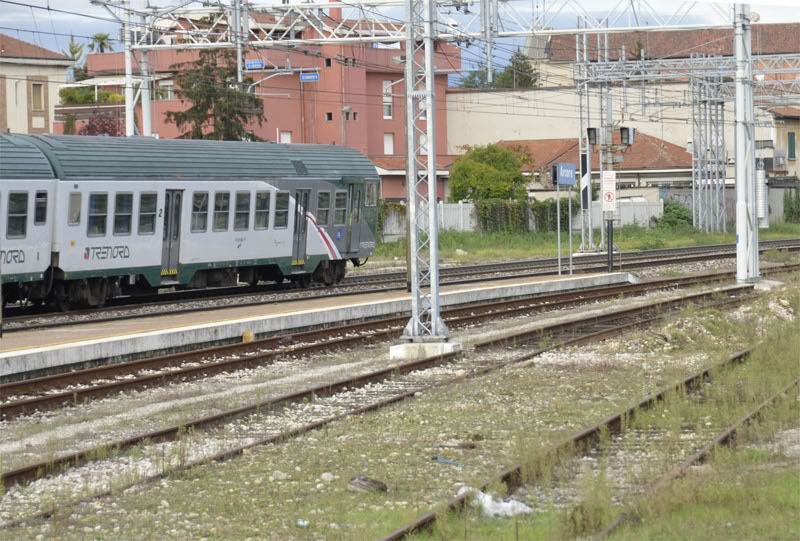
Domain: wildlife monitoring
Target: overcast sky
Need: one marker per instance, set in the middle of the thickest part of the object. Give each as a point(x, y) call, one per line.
point(15, 20)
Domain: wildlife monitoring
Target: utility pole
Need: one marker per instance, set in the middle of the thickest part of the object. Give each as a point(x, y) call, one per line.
point(147, 111)
point(746, 221)
point(237, 27)
point(425, 334)
point(129, 96)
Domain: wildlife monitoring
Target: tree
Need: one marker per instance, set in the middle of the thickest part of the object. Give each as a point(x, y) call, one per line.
point(518, 74)
point(488, 172)
point(100, 43)
point(476, 78)
point(101, 124)
point(219, 109)
point(75, 53)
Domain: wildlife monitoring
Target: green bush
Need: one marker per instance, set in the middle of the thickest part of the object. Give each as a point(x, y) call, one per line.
point(487, 172)
point(791, 205)
point(676, 216)
point(84, 95)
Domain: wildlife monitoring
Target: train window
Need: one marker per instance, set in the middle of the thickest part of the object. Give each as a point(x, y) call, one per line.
point(40, 209)
point(98, 214)
point(282, 210)
point(262, 210)
point(323, 207)
point(340, 212)
point(199, 212)
point(222, 205)
point(241, 218)
point(148, 203)
point(17, 215)
point(74, 212)
point(123, 213)
point(371, 199)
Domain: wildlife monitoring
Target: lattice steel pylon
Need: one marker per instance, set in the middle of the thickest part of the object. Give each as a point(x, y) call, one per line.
point(426, 323)
point(708, 152)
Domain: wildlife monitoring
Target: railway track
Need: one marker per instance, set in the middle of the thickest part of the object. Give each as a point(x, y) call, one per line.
point(375, 389)
point(178, 302)
point(618, 435)
point(74, 387)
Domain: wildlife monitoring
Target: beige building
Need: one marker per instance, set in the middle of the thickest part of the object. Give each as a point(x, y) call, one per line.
point(29, 80)
point(786, 132)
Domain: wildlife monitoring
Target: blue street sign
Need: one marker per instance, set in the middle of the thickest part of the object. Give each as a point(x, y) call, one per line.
point(254, 64)
point(309, 77)
point(566, 174)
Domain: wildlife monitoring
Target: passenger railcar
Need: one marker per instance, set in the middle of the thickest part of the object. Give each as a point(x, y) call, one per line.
point(83, 219)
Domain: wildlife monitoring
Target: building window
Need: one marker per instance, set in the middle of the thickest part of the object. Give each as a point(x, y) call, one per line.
point(262, 210)
point(74, 209)
point(285, 137)
point(98, 214)
point(323, 207)
point(355, 116)
point(148, 203)
point(199, 212)
point(340, 211)
point(388, 144)
point(17, 215)
point(37, 96)
point(329, 117)
point(792, 145)
point(166, 90)
point(222, 205)
point(371, 199)
point(347, 115)
point(123, 213)
point(40, 209)
point(241, 218)
point(328, 62)
point(282, 210)
point(387, 99)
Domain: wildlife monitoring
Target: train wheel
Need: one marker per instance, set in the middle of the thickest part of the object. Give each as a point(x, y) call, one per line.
point(304, 281)
point(60, 298)
point(341, 270)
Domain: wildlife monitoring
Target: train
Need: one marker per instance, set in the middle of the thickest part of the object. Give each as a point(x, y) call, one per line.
point(84, 219)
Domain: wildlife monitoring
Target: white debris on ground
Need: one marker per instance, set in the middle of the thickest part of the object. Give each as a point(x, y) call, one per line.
point(494, 508)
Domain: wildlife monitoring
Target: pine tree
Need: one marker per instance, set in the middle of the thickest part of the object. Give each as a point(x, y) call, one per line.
point(219, 108)
point(518, 74)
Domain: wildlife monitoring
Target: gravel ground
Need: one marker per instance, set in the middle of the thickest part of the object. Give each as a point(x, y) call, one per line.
point(264, 494)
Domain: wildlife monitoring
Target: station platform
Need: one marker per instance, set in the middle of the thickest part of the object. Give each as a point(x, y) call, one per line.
point(39, 352)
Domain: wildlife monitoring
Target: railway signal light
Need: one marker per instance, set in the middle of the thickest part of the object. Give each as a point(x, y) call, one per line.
point(626, 136)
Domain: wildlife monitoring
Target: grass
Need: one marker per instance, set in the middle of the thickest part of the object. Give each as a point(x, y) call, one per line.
point(500, 246)
point(748, 494)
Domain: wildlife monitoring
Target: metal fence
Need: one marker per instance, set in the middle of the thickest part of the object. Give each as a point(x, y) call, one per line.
point(452, 217)
point(643, 213)
point(461, 217)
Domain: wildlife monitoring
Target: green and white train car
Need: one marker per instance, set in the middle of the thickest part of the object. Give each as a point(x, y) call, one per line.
point(83, 219)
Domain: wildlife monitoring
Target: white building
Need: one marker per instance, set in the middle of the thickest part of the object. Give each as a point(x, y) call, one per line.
point(29, 80)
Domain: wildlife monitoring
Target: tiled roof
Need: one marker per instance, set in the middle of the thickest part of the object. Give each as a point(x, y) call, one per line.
point(394, 163)
point(775, 38)
point(786, 112)
point(15, 48)
point(647, 152)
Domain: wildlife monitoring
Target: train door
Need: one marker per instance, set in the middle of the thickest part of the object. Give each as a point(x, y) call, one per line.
point(353, 228)
point(301, 199)
point(170, 250)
